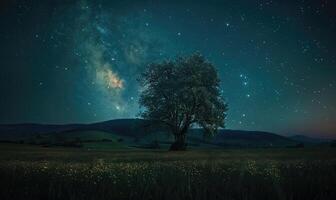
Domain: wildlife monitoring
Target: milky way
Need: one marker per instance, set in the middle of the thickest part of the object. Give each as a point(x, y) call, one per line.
point(79, 61)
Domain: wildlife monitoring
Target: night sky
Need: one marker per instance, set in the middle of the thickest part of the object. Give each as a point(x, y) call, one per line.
point(78, 61)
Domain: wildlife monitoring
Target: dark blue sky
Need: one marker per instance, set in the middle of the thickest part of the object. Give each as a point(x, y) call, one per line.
point(78, 61)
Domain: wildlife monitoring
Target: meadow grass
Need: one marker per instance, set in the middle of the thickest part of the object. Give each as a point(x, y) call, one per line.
point(28, 172)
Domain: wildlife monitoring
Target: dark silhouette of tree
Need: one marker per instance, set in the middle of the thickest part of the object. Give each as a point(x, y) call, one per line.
point(181, 93)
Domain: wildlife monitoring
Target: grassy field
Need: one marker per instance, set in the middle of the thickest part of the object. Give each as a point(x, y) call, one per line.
point(31, 172)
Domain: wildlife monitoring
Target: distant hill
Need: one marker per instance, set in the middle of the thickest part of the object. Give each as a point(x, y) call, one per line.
point(309, 140)
point(122, 126)
point(238, 138)
point(134, 133)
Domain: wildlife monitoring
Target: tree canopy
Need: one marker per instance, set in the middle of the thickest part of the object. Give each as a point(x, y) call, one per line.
point(181, 93)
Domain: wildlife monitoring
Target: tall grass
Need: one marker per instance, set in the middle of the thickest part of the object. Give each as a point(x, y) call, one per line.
point(169, 179)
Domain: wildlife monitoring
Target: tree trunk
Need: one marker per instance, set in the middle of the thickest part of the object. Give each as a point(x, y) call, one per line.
point(179, 144)
point(180, 140)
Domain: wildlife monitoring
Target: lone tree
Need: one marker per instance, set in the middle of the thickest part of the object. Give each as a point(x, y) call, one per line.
point(181, 93)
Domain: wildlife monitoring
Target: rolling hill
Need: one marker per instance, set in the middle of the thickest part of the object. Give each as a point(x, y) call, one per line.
point(310, 141)
point(126, 133)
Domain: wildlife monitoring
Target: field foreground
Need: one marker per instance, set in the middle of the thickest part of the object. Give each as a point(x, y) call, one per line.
point(30, 172)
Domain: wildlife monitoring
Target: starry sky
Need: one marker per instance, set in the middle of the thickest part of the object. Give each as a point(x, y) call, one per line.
point(78, 61)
